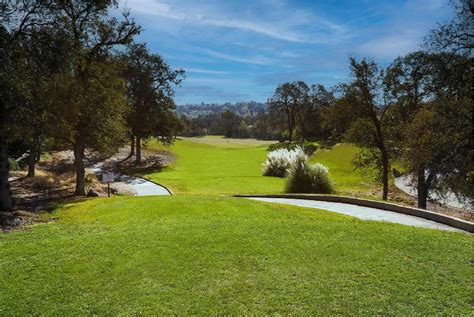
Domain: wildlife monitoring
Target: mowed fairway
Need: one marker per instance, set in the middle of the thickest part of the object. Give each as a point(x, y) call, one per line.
point(214, 165)
point(201, 252)
point(206, 255)
point(346, 178)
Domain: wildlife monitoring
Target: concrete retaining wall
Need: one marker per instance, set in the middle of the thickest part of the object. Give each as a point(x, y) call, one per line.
point(421, 213)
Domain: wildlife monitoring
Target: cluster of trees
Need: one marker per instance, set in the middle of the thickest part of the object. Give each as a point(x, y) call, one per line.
point(242, 108)
point(231, 125)
point(417, 111)
point(72, 75)
point(238, 120)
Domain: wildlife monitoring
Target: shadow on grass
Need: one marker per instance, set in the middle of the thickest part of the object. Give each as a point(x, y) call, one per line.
point(140, 170)
point(326, 145)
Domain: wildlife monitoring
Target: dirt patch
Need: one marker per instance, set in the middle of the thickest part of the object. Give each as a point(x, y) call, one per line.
point(152, 161)
point(398, 196)
point(54, 183)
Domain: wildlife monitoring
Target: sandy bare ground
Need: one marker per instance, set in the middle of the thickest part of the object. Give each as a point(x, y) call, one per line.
point(54, 182)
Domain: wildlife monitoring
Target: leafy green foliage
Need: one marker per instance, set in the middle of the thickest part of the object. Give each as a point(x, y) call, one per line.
point(308, 147)
point(287, 101)
point(368, 160)
point(431, 121)
point(95, 112)
point(13, 165)
point(150, 88)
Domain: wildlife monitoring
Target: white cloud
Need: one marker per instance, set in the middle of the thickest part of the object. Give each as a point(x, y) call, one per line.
point(280, 29)
point(390, 46)
point(404, 32)
point(257, 60)
point(206, 71)
point(211, 80)
point(148, 7)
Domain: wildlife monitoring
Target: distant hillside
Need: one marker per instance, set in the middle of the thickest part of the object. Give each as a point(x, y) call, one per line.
point(241, 108)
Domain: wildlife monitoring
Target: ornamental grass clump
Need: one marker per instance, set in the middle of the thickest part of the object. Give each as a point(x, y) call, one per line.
point(306, 178)
point(280, 161)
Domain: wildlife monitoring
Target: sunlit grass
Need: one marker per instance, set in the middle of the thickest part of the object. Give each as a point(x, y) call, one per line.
point(215, 165)
point(346, 178)
point(209, 165)
point(208, 255)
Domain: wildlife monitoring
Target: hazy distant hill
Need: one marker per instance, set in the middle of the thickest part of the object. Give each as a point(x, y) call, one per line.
point(241, 108)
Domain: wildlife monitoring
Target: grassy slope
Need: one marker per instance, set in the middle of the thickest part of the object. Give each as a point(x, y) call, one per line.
point(214, 165)
point(209, 254)
point(339, 160)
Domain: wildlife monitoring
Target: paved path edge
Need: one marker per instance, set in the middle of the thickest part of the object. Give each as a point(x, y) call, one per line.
point(421, 213)
point(148, 180)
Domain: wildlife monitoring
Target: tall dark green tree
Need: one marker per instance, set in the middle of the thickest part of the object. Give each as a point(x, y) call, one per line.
point(432, 121)
point(95, 95)
point(17, 18)
point(228, 124)
point(44, 56)
point(407, 89)
point(310, 116)
point(456, 36)
point(369, 130)
point(287, 102)
point(150, 88)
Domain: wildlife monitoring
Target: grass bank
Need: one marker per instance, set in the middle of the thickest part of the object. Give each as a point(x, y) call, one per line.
point(215, 165)
point(210, 255)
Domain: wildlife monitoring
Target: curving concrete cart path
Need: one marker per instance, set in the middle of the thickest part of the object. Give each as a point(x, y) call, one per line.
point(365, 213)
point(135, 185)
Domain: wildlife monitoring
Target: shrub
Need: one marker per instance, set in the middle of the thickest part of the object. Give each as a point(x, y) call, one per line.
point(279, 161)
point(306, 178)
point(90, 181)
point(13, 165)
point(310, 148)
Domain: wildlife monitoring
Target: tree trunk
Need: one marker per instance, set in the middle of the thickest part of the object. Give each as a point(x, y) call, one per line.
point(132, 149)
point(80, 170)
point(138, 152)
point(32, 161)
point(383, 152)
point(290, 130)
point(422, 188)
point(132, 146)
point(385, 169)
point(6, 203)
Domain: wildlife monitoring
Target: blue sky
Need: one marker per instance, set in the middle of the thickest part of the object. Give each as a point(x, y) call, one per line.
point(240, 50)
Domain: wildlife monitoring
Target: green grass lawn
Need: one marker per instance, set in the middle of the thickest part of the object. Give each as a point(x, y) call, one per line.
point(203, 253)
point(339, 161)
point(215, 165)
point(210, 255)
